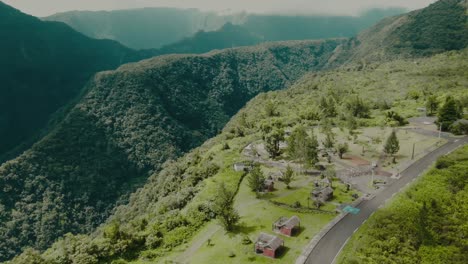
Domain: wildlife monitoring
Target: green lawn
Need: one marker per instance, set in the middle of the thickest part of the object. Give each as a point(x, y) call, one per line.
point(257, 215)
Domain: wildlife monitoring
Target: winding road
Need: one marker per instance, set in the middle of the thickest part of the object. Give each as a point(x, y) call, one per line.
point(330, 245)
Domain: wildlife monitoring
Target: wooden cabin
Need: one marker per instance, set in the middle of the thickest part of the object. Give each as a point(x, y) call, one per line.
point(287, 227)
point(268, 245)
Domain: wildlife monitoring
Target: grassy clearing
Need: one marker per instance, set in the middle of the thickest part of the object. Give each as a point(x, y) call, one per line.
point(257, 216)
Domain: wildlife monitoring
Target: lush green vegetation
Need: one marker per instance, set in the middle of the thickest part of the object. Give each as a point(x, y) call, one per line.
point(126, 126)
point(425, 224)
point(132, 120)
point(437, 28)
point(43, 66)
point(425, 32)
point(176, 202)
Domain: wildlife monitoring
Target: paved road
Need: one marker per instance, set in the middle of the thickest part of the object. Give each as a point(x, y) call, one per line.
point(331, 244)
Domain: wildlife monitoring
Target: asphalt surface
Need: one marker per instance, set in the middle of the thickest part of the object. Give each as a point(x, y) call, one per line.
point(332, 243)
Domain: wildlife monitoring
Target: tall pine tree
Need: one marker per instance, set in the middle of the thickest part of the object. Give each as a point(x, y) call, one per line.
point(392, 146)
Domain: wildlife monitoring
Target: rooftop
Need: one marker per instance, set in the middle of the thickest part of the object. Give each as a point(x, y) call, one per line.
point(270, 241)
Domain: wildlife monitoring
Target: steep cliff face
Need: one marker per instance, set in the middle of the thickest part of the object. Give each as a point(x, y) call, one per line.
point(127, 124)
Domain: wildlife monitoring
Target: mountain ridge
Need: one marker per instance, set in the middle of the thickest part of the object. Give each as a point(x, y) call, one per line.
point(43, 66)
point(186, 22)
point(159, 104)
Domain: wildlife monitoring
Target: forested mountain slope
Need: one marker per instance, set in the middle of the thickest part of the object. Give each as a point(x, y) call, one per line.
point(129, 122)
point(133, 119)
point(177, 201)
point(43, 65)
point(440, 27)
point(157, 27)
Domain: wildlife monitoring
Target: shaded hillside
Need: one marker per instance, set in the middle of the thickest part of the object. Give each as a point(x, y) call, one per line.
point(440, 27)
point(176, 202)
point(43, 65)
point(130, 121)
point(157, 27)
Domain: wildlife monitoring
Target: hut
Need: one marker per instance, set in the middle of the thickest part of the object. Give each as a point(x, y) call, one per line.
point(240, 166)
point(287, 227)
point(322, 194)
point(269, 185)
point(277, 175)
point(268, 245)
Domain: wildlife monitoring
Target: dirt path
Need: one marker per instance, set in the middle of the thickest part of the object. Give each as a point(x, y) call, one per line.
point(198, 243)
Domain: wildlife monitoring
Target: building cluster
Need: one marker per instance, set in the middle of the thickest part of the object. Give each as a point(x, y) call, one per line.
point(271, 245)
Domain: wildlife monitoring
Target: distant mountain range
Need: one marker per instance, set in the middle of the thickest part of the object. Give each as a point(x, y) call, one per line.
point(157, 27)
point(126, 123)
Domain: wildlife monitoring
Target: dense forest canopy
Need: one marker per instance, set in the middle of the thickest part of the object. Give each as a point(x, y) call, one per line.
point(43, 65)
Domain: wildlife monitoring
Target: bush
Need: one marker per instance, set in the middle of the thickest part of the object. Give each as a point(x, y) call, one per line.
point(444, 162)
point(459, 128)
point(246, 240)
point(297, 204)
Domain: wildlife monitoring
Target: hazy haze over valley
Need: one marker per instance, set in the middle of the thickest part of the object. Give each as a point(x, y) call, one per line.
point(340, 7)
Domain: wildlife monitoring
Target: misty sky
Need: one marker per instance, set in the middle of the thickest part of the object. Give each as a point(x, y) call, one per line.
point(348, 7)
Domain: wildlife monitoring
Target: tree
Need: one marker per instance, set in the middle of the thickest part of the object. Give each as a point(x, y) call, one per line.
point(256, 179)
point(288, 176)
point(270, 109)
point(342, 148)
point(450, 112)
point(303, 147)
point(329, 142)
point(312, 147)
point(432, 104)
point(327, 104)
point(295, 141)
point(394, 119)
point(392, 146)
point(357, 107)
point(224, 208)
point(330, 174)
point(272, 142)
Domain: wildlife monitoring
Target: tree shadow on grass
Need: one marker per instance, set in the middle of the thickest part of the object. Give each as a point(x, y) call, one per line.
point(244, 229)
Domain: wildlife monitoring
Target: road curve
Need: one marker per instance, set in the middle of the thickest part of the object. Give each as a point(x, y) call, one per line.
point(331, 243)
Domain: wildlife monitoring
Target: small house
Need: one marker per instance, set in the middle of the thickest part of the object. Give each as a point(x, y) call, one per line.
point(268, 245)
point(277, 175)
point(326, 182)
point(269, 185)
point(322, 194)
point(240, 166)
point(287, 227)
